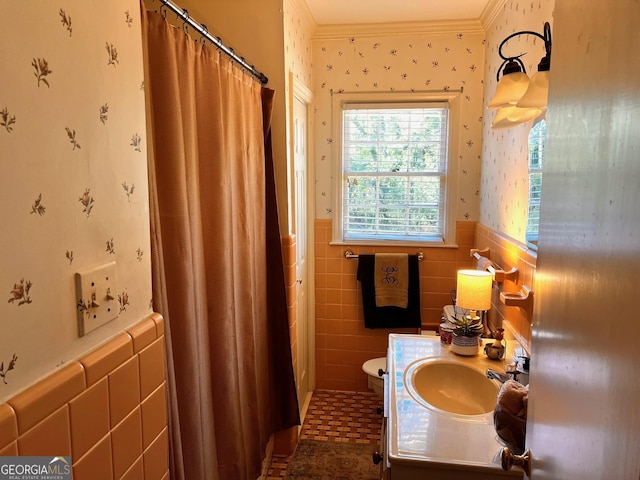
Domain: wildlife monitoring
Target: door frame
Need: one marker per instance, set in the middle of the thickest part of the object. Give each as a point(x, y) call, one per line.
point(297, 89)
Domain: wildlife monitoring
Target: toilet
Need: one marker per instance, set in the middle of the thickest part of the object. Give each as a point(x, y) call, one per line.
point(371, 367)
point(374, 381)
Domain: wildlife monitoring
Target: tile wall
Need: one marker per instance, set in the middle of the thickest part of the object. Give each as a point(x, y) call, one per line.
point(106, 410)
point(343, 344)
point(289, 262)
point(285, 440)
point(509, 253)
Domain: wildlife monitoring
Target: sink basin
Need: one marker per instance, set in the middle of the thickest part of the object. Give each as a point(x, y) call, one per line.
point(451, 387)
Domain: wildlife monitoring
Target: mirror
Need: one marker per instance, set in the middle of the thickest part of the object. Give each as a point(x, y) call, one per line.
point(537, 137)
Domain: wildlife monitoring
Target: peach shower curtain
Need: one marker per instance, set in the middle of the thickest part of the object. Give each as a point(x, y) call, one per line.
point(230, 375)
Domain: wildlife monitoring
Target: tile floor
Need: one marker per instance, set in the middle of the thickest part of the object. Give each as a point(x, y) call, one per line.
point(336, 417)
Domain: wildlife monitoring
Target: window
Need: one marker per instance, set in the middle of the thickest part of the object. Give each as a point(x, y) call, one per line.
point(537, 136)
point(394, 165)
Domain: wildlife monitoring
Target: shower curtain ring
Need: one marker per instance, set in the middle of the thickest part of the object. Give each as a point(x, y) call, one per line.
point(163, 9)
point(185, 19)
point(203, 33)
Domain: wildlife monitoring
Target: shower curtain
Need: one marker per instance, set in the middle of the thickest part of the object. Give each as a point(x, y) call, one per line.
point(218, 278)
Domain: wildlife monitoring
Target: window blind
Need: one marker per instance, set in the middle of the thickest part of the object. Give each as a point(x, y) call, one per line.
point(394, 161)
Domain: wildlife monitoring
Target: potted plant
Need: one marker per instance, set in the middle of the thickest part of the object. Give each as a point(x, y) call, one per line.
point(466, 334)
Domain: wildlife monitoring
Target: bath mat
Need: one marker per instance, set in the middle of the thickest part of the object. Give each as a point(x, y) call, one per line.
point(316, 460)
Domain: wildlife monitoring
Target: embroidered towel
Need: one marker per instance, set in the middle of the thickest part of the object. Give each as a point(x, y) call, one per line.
point(392, 279)
point(389, 317)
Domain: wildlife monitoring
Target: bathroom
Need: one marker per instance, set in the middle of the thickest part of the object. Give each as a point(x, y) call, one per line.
point(588, 252)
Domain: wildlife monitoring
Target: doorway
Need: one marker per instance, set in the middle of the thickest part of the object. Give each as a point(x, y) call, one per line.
point(302, 217)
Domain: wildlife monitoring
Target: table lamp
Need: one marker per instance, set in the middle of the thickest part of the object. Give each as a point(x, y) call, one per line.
point(473, 292)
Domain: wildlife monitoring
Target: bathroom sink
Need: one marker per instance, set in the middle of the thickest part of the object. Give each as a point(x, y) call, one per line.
point(451, 387)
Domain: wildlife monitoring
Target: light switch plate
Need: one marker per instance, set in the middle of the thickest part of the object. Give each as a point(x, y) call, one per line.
point(96, 297)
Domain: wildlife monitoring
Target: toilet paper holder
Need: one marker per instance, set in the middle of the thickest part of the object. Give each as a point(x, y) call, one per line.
point(484, 263)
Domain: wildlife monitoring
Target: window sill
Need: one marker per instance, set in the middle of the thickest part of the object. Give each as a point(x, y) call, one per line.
point(391, 243)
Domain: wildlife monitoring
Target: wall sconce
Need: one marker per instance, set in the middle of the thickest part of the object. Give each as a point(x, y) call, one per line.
point(517, 98)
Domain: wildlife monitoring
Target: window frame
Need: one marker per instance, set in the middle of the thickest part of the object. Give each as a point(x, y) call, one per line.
point(452, 99)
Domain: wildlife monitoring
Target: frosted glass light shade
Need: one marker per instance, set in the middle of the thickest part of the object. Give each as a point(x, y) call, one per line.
point(510, 116)
point(510, 89)
point(473, 289)
point(537, 93)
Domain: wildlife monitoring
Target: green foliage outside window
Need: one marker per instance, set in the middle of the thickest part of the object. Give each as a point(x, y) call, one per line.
point(394, 166)
point(537, 136)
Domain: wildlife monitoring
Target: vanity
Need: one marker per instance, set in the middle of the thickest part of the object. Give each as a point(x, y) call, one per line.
point(438, 413)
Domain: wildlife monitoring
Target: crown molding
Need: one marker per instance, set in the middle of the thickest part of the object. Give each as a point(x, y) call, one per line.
point(490, 12)
point(305, 15)
point(327, 32)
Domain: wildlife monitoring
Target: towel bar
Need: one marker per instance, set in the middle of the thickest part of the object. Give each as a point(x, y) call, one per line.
point(349, 254)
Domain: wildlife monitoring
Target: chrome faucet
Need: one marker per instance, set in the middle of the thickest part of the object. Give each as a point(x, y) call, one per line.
point(495, 375)
point(521, 367)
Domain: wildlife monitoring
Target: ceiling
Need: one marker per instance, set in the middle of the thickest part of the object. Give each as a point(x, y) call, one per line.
point(342, 12)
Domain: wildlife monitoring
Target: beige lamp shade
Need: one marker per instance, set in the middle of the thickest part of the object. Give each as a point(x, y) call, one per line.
point(510, 89)
point(537, 93)
point(510, 116)
point(473, 290)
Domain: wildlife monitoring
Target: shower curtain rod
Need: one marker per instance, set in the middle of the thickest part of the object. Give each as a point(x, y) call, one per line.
point(201, 28)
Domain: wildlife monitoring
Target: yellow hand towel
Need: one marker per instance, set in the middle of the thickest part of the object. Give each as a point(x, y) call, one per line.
point(392, 279)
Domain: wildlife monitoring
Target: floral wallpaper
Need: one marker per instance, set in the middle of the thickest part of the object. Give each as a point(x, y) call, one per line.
point(504, 189)
point(449, 59)
point(74, 182)
point(298, 30)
